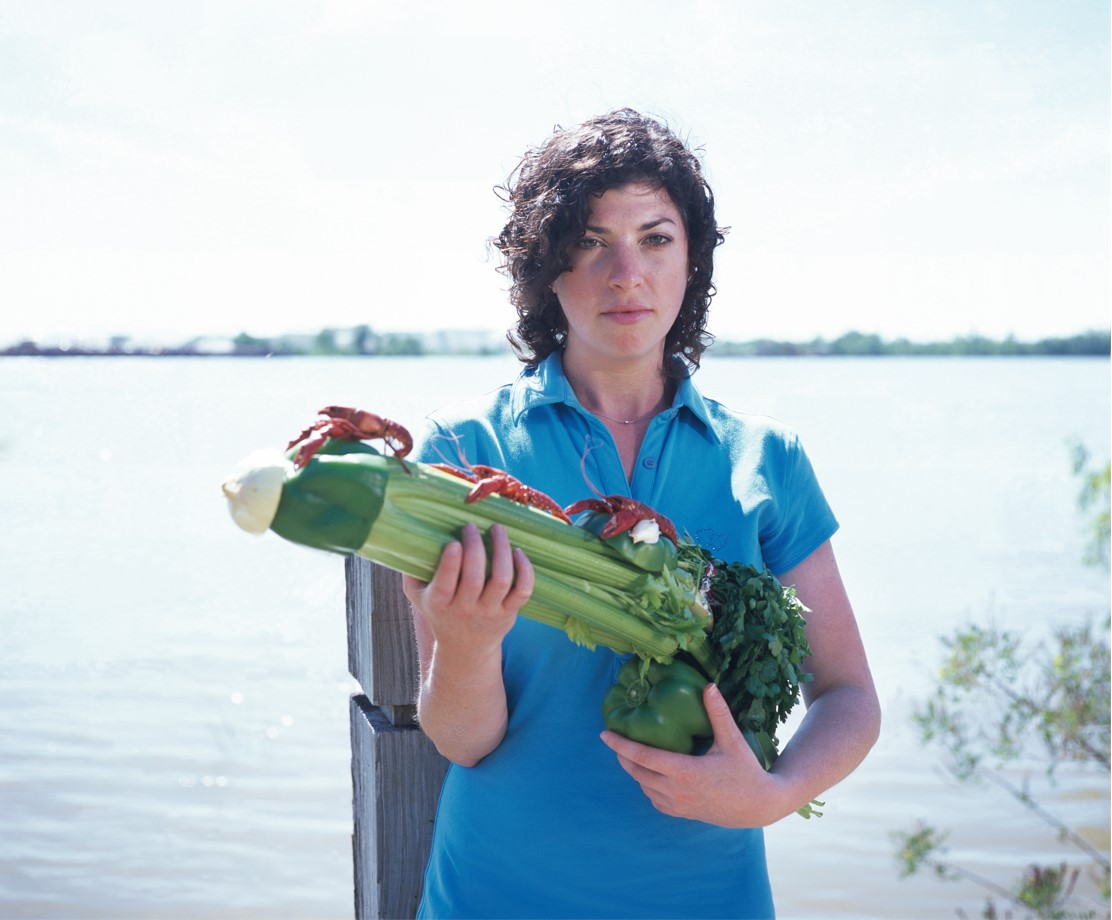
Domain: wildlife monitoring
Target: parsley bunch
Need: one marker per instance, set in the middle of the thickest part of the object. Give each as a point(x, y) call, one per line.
point(759, 641)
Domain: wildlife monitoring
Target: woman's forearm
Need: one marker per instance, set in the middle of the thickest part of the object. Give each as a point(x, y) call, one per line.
point(843, 712)
point(461, 704)
point(460, 618)
point(839, 729)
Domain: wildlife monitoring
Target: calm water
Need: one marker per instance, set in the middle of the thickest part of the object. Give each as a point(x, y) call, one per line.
point(174, 695)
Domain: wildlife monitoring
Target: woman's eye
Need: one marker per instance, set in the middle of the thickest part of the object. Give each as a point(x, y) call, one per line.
point(588, 242)
point(657, 239)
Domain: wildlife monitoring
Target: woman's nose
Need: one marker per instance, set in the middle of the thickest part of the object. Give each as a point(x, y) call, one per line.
point(626, 269)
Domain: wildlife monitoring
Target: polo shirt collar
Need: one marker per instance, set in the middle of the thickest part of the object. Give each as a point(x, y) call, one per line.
point(541, 385)
point(688, 396)
point(546, 384)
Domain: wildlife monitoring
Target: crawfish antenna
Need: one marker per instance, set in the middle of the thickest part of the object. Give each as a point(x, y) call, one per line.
point(454, 438)
point(588, 446)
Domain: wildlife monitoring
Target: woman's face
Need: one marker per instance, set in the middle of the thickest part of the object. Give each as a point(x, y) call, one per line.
point(627, 279)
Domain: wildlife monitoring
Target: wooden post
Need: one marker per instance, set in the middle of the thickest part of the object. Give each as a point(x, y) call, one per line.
point(396, 771)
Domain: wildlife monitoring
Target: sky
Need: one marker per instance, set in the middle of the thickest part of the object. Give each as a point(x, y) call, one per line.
point(912, 169)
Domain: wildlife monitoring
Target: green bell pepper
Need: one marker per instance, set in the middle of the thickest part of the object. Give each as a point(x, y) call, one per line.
point(658, 704)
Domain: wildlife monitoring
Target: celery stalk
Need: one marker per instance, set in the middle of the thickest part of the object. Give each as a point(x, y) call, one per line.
point(351, 499)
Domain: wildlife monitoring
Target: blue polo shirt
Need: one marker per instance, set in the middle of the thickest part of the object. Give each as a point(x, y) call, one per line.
point(548, 824)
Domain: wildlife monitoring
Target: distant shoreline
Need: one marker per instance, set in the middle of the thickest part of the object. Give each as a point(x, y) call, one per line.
point(330, 343)
point(1094, 343)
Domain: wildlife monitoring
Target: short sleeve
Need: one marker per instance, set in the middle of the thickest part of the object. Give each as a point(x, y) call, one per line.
point(435, 444)
point(461, 435)
point(801, 519)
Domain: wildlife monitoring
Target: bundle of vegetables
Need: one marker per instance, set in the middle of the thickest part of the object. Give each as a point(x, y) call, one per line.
point(666, 601)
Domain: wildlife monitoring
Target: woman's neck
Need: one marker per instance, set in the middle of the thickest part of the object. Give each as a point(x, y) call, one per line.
point(621, 394)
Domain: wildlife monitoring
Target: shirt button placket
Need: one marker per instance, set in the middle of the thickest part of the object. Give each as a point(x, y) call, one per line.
point(650, 459)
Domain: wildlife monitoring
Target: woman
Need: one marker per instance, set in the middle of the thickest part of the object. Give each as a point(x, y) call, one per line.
point(610, 248)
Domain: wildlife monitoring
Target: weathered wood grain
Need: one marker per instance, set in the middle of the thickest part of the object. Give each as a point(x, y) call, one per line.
point(382, 654)
point(396, 771)
point(396, 776)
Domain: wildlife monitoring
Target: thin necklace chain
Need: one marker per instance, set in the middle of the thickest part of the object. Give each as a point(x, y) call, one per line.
point(625, 421)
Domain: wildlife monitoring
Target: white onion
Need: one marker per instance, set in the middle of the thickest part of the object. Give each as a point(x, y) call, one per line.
point(645, 532)
point(255, 489)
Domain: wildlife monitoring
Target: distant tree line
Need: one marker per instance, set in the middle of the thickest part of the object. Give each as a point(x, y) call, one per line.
point(859, 344)
point(363, 340)
point(360, 340)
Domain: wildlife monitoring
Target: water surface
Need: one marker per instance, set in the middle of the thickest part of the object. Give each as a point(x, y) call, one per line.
point(174, 694)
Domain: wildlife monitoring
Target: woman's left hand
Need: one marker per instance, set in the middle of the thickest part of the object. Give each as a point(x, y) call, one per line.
point(726, 786)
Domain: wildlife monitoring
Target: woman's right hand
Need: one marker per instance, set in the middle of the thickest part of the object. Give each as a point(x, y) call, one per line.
point(460, 617)
point(462, 606)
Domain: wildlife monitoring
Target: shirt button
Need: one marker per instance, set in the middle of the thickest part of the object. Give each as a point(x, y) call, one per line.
point(649, 463)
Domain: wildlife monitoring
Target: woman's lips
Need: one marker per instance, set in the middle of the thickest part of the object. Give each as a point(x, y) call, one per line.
point(627, 315)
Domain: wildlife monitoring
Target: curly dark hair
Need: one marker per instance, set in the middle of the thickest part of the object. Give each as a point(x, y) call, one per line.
point(549, 198)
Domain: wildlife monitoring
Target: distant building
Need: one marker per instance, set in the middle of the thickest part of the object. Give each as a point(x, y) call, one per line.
point(464, 341)
point(209, 345)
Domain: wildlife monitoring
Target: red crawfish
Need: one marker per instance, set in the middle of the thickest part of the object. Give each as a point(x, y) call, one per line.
point(624, 513)
point(491, 481)
point(350, 425)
